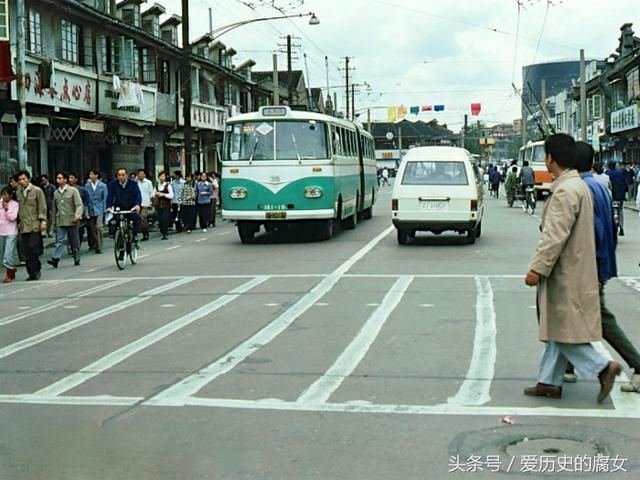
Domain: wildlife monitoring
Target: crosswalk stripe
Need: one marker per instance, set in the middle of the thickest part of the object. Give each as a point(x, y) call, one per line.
point(112, 359)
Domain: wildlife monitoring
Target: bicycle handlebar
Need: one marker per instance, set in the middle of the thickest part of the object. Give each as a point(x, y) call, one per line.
point(123, 212)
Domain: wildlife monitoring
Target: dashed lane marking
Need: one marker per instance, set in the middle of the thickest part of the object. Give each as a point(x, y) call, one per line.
point(62, 301)
point(85, 319)
point(174, 247)
point(114, 358)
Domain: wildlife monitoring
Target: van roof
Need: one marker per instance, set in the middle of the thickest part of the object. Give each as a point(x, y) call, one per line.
point(436, 153)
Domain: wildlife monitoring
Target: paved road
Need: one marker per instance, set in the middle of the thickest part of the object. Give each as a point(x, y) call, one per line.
point(355, 358)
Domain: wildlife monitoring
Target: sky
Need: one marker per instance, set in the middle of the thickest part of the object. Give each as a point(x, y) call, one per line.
point(421, 52)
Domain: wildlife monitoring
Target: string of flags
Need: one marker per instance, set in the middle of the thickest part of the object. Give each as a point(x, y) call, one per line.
point(399, 113)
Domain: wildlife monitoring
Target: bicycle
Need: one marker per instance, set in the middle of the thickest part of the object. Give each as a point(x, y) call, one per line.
point(529, 202)
point(124, 243)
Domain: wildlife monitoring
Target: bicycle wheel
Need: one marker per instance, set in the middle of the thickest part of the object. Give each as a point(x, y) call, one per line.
point(133, 250)
point(119, 250)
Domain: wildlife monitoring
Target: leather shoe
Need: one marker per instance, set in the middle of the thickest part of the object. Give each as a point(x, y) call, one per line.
point(607, 378)
point(543, 390)
point(33, 278)
point(53, 262)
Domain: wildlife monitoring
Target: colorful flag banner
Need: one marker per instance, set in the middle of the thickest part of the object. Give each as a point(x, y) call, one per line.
point(392, 113)
point(414, 110)
point(438, 108)
point(402, 112)
point(427, 108)
point(475, 109)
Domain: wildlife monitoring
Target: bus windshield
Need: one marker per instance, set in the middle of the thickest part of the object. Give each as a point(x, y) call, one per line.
point(537, 155)
point(267, 140)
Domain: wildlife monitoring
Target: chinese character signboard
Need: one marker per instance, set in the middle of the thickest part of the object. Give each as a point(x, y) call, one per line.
point(70, 87)
point(133, 102)
point(624, 119)
point(206, 117)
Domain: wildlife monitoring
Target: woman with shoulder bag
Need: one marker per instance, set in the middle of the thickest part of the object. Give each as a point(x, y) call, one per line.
point(162, 203)
point(187, 202)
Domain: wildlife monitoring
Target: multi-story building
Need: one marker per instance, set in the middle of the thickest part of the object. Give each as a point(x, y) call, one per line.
point(103, 89)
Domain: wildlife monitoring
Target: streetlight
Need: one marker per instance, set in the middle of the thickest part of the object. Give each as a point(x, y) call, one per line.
point(217, 32)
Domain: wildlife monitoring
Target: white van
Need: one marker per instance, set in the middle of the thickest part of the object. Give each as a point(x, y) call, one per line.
point(437, 189)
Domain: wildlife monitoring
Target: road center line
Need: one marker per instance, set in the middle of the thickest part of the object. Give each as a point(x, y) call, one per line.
point(174, 247)
point(475, 390)
point(112, 359)
point(179, 393)
point(78, 322)
point(62, 301)
point(322, 389)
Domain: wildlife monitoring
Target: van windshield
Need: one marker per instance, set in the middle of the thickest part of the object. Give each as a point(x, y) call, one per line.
point(435, 173)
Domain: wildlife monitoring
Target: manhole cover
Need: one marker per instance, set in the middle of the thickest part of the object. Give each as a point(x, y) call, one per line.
point(553, 446)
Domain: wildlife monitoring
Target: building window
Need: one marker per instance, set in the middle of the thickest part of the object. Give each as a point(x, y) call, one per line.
point(151, 24)
point(106, 6)
point(633, 84)
point(131, 15)
point(170, 35)
point(4, 19)
point(164, 85)
point(149, 70)
point(35, 32)
point(70, 34)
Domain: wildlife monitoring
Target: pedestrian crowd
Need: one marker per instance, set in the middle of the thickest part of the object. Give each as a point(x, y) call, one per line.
point(71, 211)
point(574, 259)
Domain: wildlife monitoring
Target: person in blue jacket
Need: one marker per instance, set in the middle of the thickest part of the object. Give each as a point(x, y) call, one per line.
point(124, 193)
point(97, 191)
point(618, 191)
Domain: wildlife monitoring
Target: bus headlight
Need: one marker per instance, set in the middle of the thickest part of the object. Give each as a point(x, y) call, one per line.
point(238, 193)
point(313, 192)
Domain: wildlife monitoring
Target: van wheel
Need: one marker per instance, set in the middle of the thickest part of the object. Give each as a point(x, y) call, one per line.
point(479, 229)
point(403, 237)
point(471, 236)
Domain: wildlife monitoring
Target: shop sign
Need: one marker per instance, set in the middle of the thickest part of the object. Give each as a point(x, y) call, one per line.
point(206, 117)
point(70, 87)
point(143, 110)
point(624, 119)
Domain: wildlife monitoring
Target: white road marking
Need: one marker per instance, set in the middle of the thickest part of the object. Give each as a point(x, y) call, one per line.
point(174, 247)
point(167, 305)
point(144, 256)
point(78, 322)
point(631, 282)
point(70, 306)
point(200, 277)
point(359, 408)
point(224, 233)
point(427, 305)
point(373, 304)
point(24, 307)
point(322, 389)
point(108, 361)
point(201, 240)
point(38, 284)
point(271, 304)
point(62, 301)
point(533, 307)
point(476, 388)
point(179, 392)
point(321, 304)
point(90, 270)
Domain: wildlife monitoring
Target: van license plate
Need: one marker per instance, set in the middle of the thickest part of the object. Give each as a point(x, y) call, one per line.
point(431, 205)
point(275, 215)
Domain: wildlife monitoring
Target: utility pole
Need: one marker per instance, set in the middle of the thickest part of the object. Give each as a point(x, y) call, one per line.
point(369, 120)
point(543, 106)
point(21, 140)
point(523, 107)
point(353, 101)
point(310, 103)
point(326, 69)
point(276, 81)
point(464, 129)
point(583, 98)
point(210, 19)
point(347, 69)
point(186, 85)
point(289, 79)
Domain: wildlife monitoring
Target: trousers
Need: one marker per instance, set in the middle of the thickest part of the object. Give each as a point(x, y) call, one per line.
point(71, 233)
point(555, 356)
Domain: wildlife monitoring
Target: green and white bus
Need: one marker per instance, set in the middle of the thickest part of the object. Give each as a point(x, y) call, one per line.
point(281, 166)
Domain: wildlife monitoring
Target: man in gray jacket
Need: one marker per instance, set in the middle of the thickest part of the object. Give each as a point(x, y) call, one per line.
point(66, 215)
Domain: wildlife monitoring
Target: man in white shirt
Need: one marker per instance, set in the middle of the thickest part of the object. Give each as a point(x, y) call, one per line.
point(147, 193)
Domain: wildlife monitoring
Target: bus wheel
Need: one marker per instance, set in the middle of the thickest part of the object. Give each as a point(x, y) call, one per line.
point(246, 231)
point(351, 222)
point(325, 229)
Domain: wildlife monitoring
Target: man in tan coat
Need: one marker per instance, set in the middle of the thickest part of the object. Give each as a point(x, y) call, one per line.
point(565, 272)
point(67, 211)
point(33, 221)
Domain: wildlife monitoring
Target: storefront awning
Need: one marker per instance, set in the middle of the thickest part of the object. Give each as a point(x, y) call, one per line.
point(91, 125)
point(31, 119)
point(130, 130)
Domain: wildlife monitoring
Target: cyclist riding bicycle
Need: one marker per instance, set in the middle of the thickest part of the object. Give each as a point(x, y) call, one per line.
point(527, 177)
point(124, 194)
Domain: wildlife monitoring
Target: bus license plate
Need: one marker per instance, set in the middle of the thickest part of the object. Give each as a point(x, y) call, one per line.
point(431, 205)
point(275, 215)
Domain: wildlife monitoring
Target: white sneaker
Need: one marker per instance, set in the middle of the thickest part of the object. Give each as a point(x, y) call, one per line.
point(633, 385)
point(204, 230)
point(570, 378)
